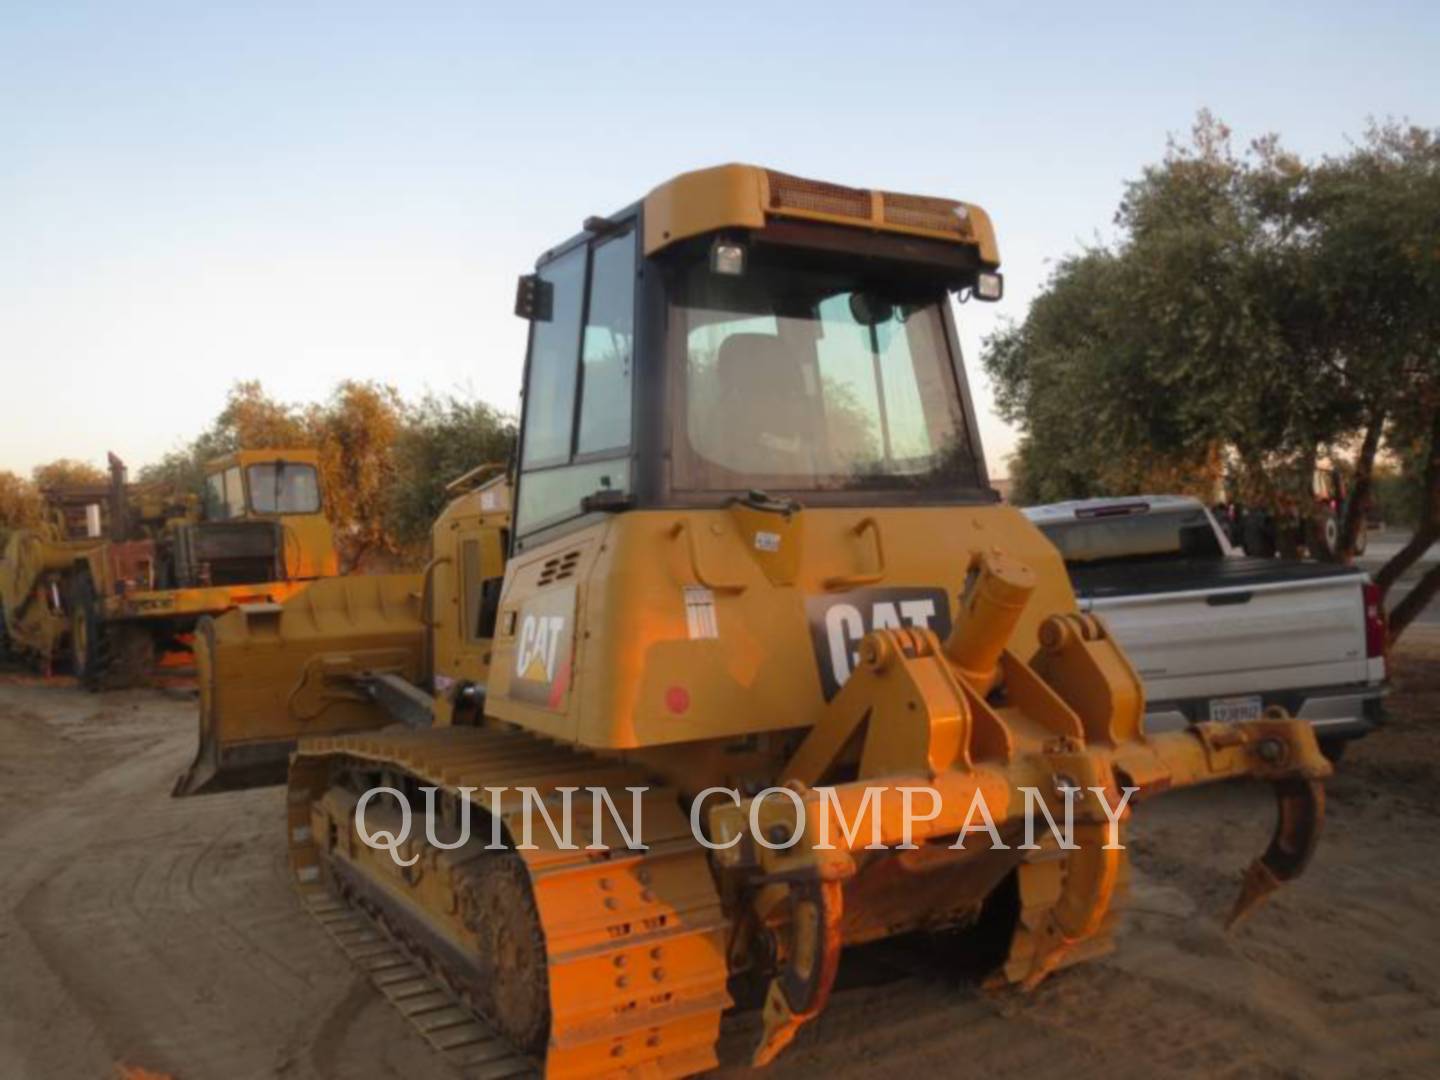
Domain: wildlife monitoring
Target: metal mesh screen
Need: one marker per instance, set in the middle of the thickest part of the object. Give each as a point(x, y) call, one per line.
point(794, 193)
point(922, 212)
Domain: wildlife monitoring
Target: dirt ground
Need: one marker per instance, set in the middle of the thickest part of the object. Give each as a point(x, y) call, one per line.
point(142, 931)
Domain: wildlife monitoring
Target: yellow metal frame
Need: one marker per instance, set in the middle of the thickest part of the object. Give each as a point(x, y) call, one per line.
point(309, 539)
point(170, 603)
point(746, 196)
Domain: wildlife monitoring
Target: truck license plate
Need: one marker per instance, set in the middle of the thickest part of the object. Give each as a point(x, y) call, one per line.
point(1235, 710)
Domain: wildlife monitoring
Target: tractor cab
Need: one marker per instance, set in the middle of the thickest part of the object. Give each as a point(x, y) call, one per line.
point(264, 520)
point(747, 441)
point(742, 331)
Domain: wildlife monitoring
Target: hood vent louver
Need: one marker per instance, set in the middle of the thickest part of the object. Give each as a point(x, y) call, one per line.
point(559, 567)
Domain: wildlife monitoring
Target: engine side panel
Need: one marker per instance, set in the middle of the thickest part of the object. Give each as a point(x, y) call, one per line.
point(659, 627)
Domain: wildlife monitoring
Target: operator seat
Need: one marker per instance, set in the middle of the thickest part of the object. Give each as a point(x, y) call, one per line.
point(766, 410)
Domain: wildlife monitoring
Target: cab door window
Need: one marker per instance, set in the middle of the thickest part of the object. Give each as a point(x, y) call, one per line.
point(550, 390)
point(608, 349)
point(481, 594)
point(215, 508)
point(580, 384)
point(234, 493)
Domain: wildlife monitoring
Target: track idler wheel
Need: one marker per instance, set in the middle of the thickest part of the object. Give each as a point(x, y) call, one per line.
point(511, 952)
point(799, 992)
point(1301, 805)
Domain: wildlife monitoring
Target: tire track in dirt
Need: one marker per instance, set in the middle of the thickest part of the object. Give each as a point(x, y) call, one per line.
point(158, 930)
point(167, 932)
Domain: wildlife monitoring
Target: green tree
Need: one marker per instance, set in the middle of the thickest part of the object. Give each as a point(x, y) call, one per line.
point(250, 420)
point(1254, 305)
point(443, 438)
point(20, 504)
point(67, 472)
point(1363, 232)
point(355, 431)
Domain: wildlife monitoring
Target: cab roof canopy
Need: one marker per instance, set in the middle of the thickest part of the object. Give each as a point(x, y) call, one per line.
point(748, 196)
point(246, 458)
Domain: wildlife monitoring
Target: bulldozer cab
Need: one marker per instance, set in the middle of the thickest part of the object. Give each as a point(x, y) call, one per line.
point(797, 357)
point(746, 431)
point(282, 488)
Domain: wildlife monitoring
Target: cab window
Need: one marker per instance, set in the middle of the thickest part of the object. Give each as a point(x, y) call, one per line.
point(607, 350)
point(579, 387)
point(284, 487)
point(550, 390)
point(800, 378)
point(215, 508)
point(482, 594)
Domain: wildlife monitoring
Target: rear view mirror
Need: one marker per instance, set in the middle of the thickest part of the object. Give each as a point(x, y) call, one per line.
point(869, 309)
point(534, 298)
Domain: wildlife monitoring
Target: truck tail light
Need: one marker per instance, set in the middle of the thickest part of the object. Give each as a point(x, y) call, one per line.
point(1376, 636)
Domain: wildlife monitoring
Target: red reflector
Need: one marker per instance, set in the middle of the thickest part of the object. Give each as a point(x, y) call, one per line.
point(1375, 630)
point(677, 699)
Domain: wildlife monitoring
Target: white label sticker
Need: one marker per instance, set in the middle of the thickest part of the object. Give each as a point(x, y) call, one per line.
point(700, 613)
point(767, 541)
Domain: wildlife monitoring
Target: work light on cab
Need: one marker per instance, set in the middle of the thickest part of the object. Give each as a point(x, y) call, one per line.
point(989, 286)
point(727, 257)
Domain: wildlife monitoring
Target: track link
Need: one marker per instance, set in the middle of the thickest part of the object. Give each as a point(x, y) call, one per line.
point(634, 939)
point(465, 1041)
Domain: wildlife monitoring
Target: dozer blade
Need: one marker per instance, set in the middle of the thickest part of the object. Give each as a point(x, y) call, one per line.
point(270, 673)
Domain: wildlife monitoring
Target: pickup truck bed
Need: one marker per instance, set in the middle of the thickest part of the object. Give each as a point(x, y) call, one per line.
point(1136, 577)
point(1218, 637)
point(1238, 632)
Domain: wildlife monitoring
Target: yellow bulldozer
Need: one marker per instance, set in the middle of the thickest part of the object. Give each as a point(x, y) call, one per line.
point(746, 577)
point(118, 573)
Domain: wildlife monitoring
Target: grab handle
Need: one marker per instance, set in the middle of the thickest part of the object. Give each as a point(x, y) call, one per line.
point(851, 581)
point(427, 579)
point(683, 526)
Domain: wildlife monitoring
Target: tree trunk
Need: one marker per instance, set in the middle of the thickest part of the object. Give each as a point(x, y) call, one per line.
point(1414, 602)
point(1428, 531)
point(1425, 535)
point(351, 554)
point(1361, 485)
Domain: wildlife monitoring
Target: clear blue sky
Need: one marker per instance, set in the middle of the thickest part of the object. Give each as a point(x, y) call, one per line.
point(192, 194)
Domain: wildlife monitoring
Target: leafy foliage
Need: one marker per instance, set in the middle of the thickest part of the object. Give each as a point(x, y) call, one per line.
point(384, 462)
point(20, 504)
point(356, 431)
point(443, 438)
point(1256, 312)
point(64, 472)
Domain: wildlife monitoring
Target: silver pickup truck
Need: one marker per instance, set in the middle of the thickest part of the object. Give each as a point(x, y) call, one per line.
point(1216, 635)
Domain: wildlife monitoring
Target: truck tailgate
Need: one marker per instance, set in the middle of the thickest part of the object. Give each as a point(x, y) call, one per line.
point(1241, 629)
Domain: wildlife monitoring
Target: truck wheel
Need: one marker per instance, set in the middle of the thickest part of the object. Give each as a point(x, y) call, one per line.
point(1324, 539)
point(1362, 539)
point(86, 632)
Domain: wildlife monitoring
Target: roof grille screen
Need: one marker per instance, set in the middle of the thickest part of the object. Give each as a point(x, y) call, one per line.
point(920, 212)
point(793, 193)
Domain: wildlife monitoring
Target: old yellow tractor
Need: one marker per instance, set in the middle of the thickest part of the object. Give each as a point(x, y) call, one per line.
point(118, 572)
point(754, 592)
